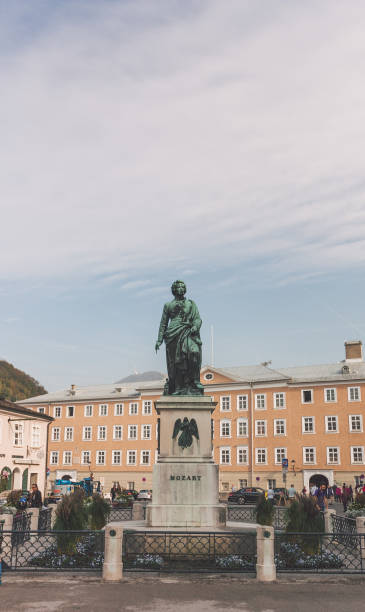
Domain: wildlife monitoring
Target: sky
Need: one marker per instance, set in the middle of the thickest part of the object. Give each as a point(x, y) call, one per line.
point(217, 142)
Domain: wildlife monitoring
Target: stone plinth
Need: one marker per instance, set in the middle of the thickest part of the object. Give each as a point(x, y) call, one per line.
point(185, 480)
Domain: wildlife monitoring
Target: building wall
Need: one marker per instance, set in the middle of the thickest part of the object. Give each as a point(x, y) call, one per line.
point(232, 473)
point(22, 452)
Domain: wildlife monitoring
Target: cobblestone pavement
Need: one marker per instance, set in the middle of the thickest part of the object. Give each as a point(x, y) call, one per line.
point(179, 593)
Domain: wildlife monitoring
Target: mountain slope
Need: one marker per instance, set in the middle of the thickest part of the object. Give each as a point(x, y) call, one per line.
point(16, 385)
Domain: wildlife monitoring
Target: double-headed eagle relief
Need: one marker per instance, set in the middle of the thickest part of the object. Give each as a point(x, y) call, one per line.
point(188, 429)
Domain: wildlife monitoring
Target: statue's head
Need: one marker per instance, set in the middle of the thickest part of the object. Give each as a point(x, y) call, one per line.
point(178, 288)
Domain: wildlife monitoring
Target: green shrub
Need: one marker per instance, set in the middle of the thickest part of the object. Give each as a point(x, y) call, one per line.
point(13, 497)
point(71, 515)
point(303, 516)
point(264, 511)
point(98, 509)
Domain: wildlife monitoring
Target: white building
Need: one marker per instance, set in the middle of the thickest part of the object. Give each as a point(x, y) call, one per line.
point(23, 447)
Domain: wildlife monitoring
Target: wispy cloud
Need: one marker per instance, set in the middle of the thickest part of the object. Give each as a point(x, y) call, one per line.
point(145, 135)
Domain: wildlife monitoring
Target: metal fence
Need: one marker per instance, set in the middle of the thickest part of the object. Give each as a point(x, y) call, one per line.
point(120, 514)
point(44, 519)
point(189, 552)
point(319, 553)
point(246, 514)
point(53, 550)
point(21, 528)
point(345, 528)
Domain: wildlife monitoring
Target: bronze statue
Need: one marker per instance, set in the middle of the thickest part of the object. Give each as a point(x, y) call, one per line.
point(180, 329)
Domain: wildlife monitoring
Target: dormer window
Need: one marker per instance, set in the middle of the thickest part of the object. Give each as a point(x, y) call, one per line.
point(208, 376)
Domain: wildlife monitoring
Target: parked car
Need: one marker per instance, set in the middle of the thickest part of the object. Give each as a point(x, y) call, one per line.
point(144, 494)
point(247, 495)
point(130, 492)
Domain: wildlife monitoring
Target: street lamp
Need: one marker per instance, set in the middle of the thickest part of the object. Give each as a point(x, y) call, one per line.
point(293, 466)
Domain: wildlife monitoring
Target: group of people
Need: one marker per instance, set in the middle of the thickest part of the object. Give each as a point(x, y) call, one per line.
point(115, 491)
point(322, 493)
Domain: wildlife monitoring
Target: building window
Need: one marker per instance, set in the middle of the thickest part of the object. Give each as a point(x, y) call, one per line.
point(225, 403)
point(330, 395)
point(54, 458)
point(355, 423)
point(260, 401)
point(271, 483)
point(225, 455)
point(146, 432)
point(307, 424)
point(133, 408)
point(242, 402)
point(147, 407)
point(260, 428)
point(145, 457)
point(279, 400)
point(331, 424)
point(261, 455)
point(118, 409)
point(309, 454)
point(307, 396)
point(88, 411)
point(57, 411)
point(69, 434)
point(132, 432)
point(242, 428)
point(41, 410)
point(242, 455)
point(36, 436)
point(70, 411)
point(116, 457)
point(100, 457)
point(117, 432)
point(225, 429)
point(131, 457)
point(101, 432)
point(354, 394)
point(87, 432)
point(18, 434)
point(333, 454)
point(279, 427)
point(55, 434)
point(85, 457)
point(242, 483)
point(280, 454)
point(67, 457)
point(103, 410)
point(357, 454)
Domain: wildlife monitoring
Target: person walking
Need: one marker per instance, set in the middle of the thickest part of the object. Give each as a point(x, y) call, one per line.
point(35, 497)
point(291, 493)
point(322, 496)
point(345, 496)
point(113, 492)
point(270, 495)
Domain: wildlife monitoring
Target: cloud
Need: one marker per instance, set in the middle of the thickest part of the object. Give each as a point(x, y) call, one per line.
point(145, 136)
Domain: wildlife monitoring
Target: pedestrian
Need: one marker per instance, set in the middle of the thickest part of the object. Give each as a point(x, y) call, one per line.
point(313, 489)
point(345, 496)
point(322, 495)
point(291, 493)
point(270, 495)
point(113, 492)
point(351, 494)
point(35, 497)
point(304, 491)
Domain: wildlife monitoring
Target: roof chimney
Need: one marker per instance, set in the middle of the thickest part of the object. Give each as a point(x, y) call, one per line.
point(353, 349)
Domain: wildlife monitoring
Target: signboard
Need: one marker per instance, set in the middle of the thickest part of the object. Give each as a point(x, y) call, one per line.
point(284, 463)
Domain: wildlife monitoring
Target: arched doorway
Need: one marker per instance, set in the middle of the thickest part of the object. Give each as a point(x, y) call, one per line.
point(317, 480)
point(66, 477)
point(17, 479)
point(25, 480)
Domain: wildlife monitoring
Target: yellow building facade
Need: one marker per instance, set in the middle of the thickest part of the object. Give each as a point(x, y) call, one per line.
point(311, 415)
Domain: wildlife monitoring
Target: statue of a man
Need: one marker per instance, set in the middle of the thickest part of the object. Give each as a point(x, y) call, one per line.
point(179, 328)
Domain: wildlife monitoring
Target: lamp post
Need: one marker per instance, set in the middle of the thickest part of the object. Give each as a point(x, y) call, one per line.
point(293, 466)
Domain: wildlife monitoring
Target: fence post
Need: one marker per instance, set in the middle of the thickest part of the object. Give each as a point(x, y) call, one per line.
point(328, 525)
point(265, 566)
point(34, 519)
point(360, 528)
point(113, 564)
point(138, 511)
point(8, 522)
point(53, 515)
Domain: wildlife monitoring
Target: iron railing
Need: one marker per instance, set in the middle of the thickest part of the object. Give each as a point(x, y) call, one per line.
point(21, 528)
point(319, 553)
point(189, 552)
point(120, 514)
point(345, 528)
point(247, 514)
point(44, 519)
point(54, 550)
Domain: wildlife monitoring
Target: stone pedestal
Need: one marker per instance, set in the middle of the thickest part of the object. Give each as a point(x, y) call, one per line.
point(185, 480)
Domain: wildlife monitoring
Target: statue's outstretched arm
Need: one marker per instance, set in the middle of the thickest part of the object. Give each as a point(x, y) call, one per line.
point(163, 326)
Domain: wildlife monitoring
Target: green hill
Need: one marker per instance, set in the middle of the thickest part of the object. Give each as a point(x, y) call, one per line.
point(16, 385)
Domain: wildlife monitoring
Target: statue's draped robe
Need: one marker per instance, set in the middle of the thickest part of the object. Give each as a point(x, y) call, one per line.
point(183, 346)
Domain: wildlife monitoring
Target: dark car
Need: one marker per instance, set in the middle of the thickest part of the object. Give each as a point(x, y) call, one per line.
point(248, 495)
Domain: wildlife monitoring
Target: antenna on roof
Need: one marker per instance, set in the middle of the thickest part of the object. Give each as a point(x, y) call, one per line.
point(211, 346)
point(266, 363)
